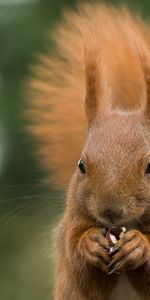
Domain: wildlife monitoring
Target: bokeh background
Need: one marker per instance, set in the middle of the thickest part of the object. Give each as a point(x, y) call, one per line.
point(29, 207)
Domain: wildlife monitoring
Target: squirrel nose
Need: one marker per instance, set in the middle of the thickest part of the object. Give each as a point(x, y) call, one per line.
point(112, 214)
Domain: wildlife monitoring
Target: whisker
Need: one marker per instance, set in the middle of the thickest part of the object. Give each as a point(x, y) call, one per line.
point(21, 210)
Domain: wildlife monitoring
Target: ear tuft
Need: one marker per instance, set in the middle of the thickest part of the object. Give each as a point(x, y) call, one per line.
point(147, 82)
point(93, 81)
point(144, 56)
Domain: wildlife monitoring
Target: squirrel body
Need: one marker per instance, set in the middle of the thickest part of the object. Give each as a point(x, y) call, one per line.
point(124, 290)
point(102, 66)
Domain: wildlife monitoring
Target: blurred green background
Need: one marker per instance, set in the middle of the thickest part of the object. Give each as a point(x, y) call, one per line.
point(29, 207)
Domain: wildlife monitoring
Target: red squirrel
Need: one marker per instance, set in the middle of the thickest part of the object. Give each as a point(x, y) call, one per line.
point(90, 102)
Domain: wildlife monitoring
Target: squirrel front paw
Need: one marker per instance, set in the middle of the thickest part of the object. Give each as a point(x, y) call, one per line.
point(93, 247)
point(130, 252)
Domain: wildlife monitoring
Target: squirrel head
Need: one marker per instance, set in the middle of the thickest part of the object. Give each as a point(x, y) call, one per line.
point(103, 53)
point(113, 175)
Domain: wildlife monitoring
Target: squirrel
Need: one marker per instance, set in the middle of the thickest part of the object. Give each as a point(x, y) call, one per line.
point(90, 103)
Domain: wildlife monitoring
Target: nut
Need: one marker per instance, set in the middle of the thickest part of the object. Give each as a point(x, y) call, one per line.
point(114, 234)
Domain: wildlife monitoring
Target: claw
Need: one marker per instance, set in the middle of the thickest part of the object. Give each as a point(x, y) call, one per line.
point(108, 247)
point(111, 264)
point(114, 250)
point(113, 271)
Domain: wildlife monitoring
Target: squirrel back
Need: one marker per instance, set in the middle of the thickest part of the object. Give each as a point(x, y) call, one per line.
point(100, 51)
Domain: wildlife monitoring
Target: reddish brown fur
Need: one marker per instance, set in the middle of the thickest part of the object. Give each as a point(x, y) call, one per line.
point(103, 61)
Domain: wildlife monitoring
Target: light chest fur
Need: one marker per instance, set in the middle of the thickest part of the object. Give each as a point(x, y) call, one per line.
point(124, 290)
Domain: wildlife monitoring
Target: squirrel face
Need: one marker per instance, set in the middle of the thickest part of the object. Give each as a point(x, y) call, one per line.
point(114, 188)
point(112, 184)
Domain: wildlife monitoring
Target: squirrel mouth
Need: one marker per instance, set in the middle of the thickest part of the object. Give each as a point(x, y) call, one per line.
point(117, 224)
point(114, 223)
point(120, 220)
point(107, 223)
point(112, 219)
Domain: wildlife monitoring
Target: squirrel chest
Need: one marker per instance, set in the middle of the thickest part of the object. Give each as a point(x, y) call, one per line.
point(124, 290)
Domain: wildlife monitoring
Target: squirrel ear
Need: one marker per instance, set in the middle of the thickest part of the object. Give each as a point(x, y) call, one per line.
point(92, 74)
point(147, 82)
point(144, 56)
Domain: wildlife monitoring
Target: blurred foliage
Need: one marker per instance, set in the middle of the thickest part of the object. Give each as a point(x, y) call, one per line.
point(28, 206)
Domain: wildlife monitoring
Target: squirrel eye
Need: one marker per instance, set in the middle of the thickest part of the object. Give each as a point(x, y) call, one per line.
point(81, 166)
point(147, 171)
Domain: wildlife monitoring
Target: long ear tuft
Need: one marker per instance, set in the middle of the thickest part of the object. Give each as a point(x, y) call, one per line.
point(146, 70)
point(141, 41)
point(92, 75)
point(144, 56)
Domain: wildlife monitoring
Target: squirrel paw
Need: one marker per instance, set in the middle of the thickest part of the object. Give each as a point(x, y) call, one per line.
point(93, 246)
point(130, 252)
